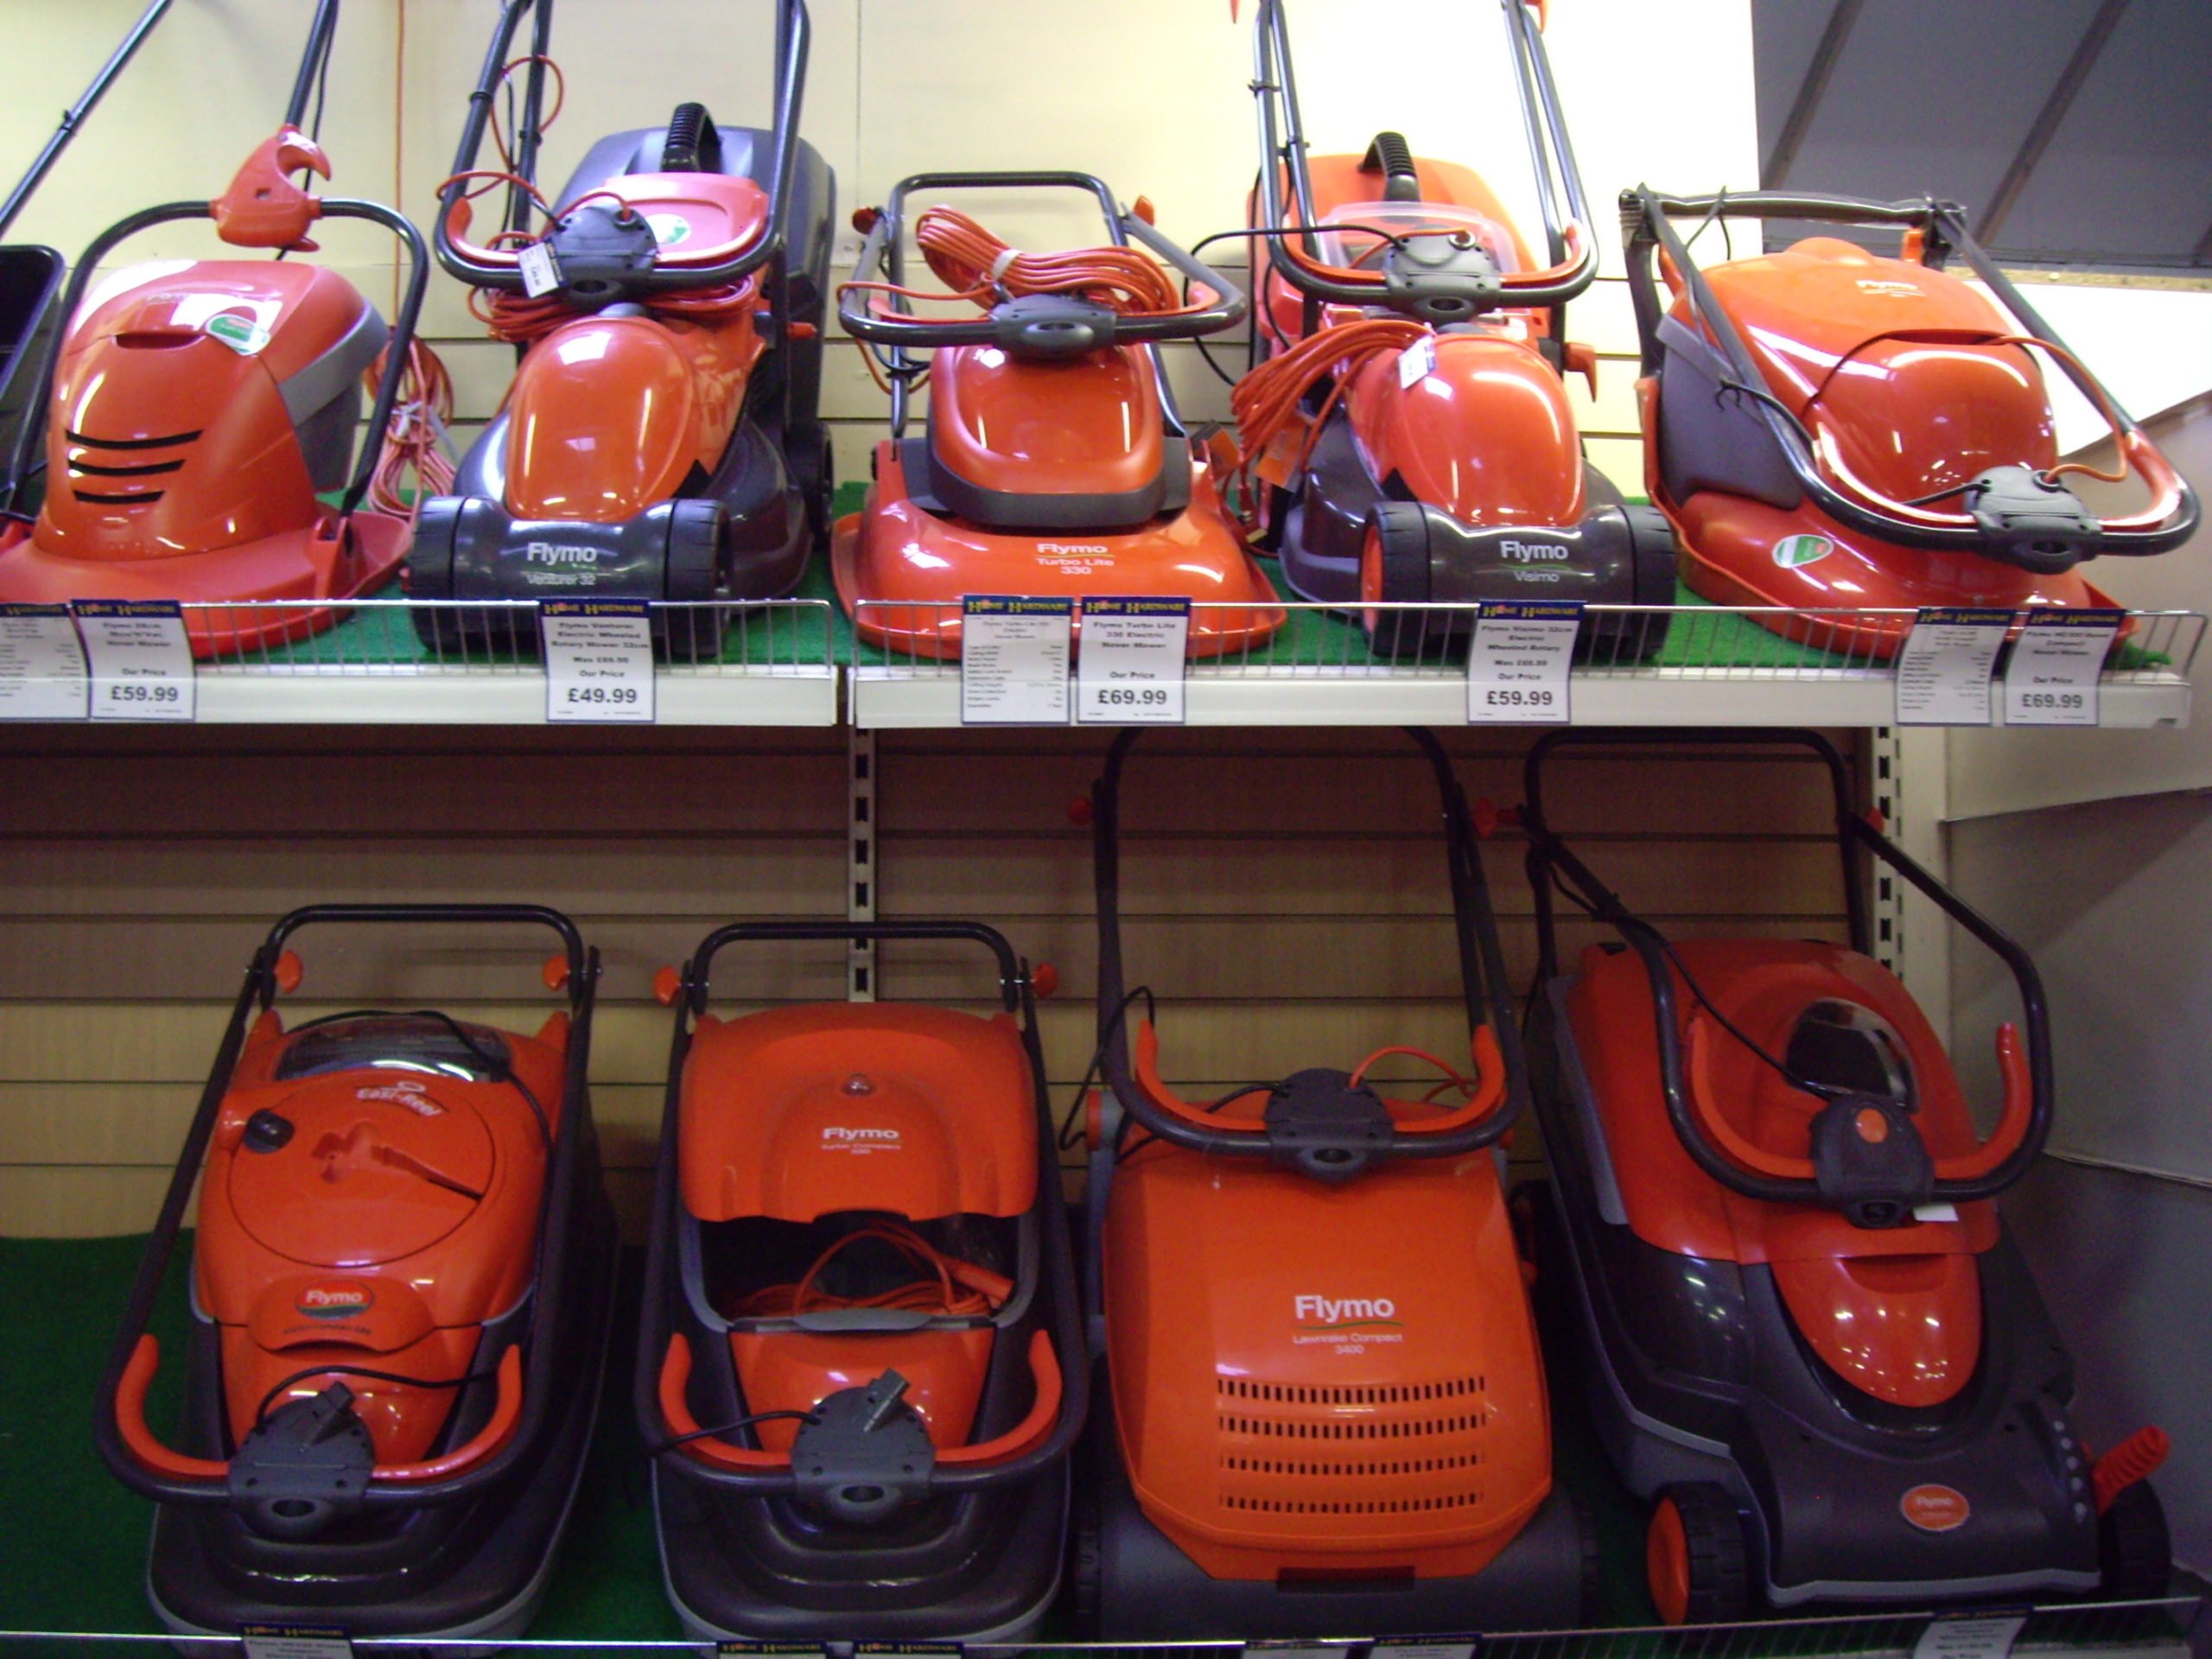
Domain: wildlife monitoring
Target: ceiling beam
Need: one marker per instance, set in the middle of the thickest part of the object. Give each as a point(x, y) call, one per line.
point(1810, 91)
point(2046, 123)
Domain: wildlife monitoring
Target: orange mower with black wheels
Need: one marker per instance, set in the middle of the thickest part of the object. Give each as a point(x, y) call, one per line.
point(1807, 1339)
point(401, 1279)
point(1053, 461)
point(1327, 1406)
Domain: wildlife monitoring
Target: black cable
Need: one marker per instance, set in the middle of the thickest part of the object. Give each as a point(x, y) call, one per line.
point(1070, 1134)
point(499, 1069)
point(261, 1411)
point(720, 1429)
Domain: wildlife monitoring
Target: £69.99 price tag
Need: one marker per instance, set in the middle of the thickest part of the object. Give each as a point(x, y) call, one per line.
point(599, 659)
point(1518, 660)
point(140, 657)
point(2056, 661)
point(1129, 671)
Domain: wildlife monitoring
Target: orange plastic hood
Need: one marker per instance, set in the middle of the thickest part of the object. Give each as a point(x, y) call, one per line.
point(1089, 425)
point(802, 1112)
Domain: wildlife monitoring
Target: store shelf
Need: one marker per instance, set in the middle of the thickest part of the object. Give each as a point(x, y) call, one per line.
point(1672, 665)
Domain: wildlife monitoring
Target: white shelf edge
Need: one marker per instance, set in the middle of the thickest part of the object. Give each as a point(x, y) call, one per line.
point(808, 699)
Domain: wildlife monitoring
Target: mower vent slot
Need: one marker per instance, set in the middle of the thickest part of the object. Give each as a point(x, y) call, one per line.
point(133, 443)
point(1244, 1388)
point(1353, 1506)
point(1333, 1470)
point(1360, 1431)
point(85, 469)
point(139, 498)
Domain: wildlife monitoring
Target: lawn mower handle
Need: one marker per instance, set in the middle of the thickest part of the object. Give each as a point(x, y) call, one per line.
point(527, 1393)
point(482, 268)
point(1014, 978)
point(2030, 1081)
point(1484, 989)
point(1647, 233)
point(1571, 246)
point(881, 251)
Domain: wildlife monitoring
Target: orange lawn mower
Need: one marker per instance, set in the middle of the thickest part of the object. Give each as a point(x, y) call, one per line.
point(1405, 433)
point(197, 410)
point(401, 1281)
point(1831, 429)
point(662, 439)
point(1809, 1340)
point(1053, 461)
point(861, 1367)
point(1327, 1414)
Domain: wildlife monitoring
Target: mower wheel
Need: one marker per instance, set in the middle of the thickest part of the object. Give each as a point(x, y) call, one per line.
point(2134, 1546)
point(1086, 1557)
point(1694, 1556)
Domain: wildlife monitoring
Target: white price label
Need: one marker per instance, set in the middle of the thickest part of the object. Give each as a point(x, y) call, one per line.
point(599, 659)
point(1424, 1648)
point(1129, 671)
point(541, 272)
point(733, 1650)
point(1969, 1639)
point(1944, 663)
point(140, 658)
point(1015, 655)
point(1517, 662)
point(2051, 679)
point(42, 675)
point(1416, 363)
point(294, 1642)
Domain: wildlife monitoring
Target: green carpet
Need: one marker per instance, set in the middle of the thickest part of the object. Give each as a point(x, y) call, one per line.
point(1709, 638)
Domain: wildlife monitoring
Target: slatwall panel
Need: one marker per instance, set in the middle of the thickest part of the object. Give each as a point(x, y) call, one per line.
point(1284, 895)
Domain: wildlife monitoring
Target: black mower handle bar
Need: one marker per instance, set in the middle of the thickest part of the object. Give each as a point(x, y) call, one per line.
point(556, 1264)
point(881, 251)
point(793, 36)
point(395, 353)
point(1484, 986)
point(1647, 230)
point(1013, 979)
point(1551, 154)
point(1549, 856)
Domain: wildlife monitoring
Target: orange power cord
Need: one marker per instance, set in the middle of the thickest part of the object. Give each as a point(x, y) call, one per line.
point(415, 438)
point(1265, 403)
point(979, 1291)
point(982, 270)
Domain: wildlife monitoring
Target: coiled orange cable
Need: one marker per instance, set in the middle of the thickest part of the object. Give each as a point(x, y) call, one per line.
point(415, 438)
point(979, 1291)
point(982, 270)
point(1265, 403)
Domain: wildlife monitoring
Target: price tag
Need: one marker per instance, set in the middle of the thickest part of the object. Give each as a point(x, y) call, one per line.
point(1416, 362)
point(907, 1649)
point(140, 658)
point(1014, 654)
point(43, 673)
point(1517, 663)
point(599, 659)
point(1129, 671)
point(1944, 666)
point(2051, 679)
point(1969, 1639)
point(294, 1642)
point(541, 272)
point(1291, 1649)
point(775, 1649)
point(1427, 1647)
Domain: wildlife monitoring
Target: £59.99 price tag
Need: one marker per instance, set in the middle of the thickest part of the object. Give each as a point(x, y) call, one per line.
point(42, 664)
point(599, 659)
point(1517, 662)
point(2051, 679)
point(1014, 653)
point(140, 658)
point(1129, 671)
point(1944, 666)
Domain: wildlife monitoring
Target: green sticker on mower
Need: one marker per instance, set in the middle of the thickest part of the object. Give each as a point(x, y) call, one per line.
point(1792, 551)
point(669, 229)
point(244, 335)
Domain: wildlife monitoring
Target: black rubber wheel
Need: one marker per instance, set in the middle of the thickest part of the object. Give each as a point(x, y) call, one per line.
point(1694, 1558)
point(2133, 1547)
point(1086, 1556)
point(1593, 1563)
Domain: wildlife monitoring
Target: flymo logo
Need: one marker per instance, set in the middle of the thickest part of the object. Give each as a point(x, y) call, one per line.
point(1792, 551)
point(1888, 288)
point(1526, 550)
point(1935, 1509)
point(837, 1138)
point(1327, 1313)
point(404, 1091)
point(340, 1299)
point(558, 553)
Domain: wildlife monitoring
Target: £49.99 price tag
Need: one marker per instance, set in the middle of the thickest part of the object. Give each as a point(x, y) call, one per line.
point(1129, 671)
point(1517, 662)
point(599, 659)
point(2051, 679)
point(140, 657)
